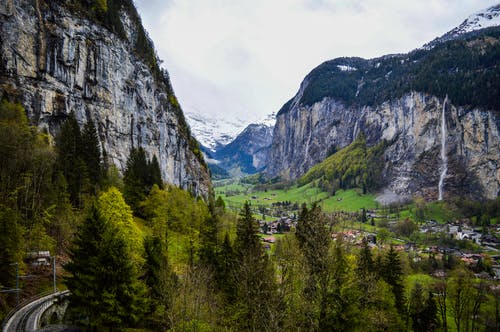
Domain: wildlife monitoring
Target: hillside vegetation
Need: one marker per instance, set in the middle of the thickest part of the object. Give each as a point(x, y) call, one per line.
point(465, 69)
point(355, 166)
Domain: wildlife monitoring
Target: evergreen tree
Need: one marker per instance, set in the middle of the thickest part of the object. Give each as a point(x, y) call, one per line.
point(430, 313)
point(160, 281)
point(91, 153)
point(11, 242)
point(417, 311)
point(256, 306)
point(247, 229)
point(422, 310)
point(208, 243)
point(69, 161)
point(392, 273)
point(136, 178)
point(220, 206)
point(314, 241)
point(225, 274)
point(155, 173)
point(365, 265)
point(104, 285)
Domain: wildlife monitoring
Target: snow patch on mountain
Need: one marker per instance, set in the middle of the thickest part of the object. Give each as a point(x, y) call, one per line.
point(269, 120)
point(483, 19)
point(213, 132)
point(346, 68)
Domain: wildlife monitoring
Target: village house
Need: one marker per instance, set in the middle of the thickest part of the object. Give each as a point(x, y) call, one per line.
point(39, 258)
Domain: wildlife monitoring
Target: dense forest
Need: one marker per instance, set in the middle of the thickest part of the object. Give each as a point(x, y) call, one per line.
point(141, 254)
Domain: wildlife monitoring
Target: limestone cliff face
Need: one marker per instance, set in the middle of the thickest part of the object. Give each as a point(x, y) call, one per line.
point(55, 62)
point(399, 99)
point(412, 126)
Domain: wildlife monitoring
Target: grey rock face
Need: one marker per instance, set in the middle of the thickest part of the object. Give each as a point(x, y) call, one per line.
point(248, 150)
point(56, 62)
point(412, 127)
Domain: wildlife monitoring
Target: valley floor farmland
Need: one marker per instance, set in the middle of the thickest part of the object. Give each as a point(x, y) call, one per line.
point(347, 200)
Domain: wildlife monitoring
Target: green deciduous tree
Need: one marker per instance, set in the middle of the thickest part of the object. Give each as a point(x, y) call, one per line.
point(114, 210)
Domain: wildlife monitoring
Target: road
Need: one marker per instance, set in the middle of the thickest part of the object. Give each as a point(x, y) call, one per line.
point(27, 318)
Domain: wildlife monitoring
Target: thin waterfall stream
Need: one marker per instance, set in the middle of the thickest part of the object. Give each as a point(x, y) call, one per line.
point(444, 158)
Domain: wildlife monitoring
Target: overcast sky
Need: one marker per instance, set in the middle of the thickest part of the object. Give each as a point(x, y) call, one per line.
point(245, 59)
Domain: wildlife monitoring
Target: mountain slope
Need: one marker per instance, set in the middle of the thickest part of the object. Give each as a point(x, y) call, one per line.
point(402, 99)
point(483, 19)
point(59, 57)
point(214, 132)
point(248, 151)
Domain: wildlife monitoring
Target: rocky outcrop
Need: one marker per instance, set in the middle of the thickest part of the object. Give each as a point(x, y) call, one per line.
point(248, 151)
point(412, 127)
point(55, 61)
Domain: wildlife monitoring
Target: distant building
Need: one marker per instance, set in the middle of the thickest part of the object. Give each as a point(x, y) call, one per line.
point(39, 258)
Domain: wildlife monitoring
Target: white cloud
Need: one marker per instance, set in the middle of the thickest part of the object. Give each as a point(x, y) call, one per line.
point(247, 58)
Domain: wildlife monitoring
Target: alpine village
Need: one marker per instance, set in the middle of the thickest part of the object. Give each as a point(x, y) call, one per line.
point(369, 202)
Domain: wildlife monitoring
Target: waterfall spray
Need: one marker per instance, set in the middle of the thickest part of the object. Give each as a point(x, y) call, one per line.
point(444, 158)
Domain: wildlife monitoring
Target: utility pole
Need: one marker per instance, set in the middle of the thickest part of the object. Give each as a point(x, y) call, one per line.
point(17, 283)
point(54, 272)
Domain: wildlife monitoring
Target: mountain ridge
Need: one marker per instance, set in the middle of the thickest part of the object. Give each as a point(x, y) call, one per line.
point(399, 98)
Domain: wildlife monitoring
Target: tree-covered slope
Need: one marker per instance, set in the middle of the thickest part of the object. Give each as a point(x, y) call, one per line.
point(466, 69)
point(356, 165)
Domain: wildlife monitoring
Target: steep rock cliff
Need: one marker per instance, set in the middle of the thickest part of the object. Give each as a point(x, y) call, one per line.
point(412, 127)
point(400, 99)
point(248, 151)
point(55, 61)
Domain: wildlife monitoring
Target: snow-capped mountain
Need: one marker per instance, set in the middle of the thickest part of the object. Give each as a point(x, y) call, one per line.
point(489, 17)
point(233, 144)
point(214, 132)
point(483, 19)
point(269, 120)
point(248, 151)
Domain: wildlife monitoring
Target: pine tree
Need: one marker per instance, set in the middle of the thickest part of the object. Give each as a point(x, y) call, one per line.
point(225, 274)
point(136, 178)
point(314, 241)
point(365, 265)
point(417, 309)
point(256, 289)
point(208, 244)
point(220, 206)
point(160, 281)
point(392, 273)
point(91, 154)
point(69, 160)
point(11, 242)
point(155, 173)
point(103, 281)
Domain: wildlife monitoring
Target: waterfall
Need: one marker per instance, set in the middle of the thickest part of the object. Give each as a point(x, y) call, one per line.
point(444, 158)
